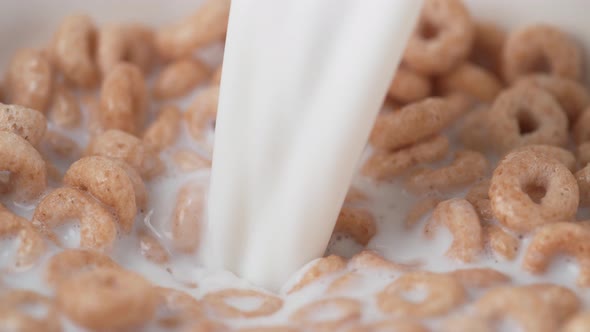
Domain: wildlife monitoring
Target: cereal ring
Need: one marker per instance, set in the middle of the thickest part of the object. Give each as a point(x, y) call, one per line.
point(29, 79)
point(188, 217)
point(571, 95)
point(179, 78)
point(502, 243)
point(541, 48)
point(369, 259)
point(97, 225)
point(72, 50)
point(392, 325)
point(411, 123)
point(216, 301)
point(383, 164)
point(25, 122)
point(123, 99)
point(480, 277)
point(206, 325)
point(344, 310)
point(564, 301)
point(474, 130)
point(583, 154)
point(578, 323)
point(216, 76)
point(118, 144)
point(472, 80)
point(522, 172)
point(569, 238)
point(152, 249)
point(207, 25)
point(96, 299)
point(274, 328)
point(113, 183)
point(189, 161)
point(560, 154)
point(179, 307)
point(408, 86)
point(487, 46)
point(133, 43)
point(466, 323)
point(356, 222)
point(467, 167)
point(479, 198)
point(31, 244)
point(200, 115)
point(13, 318)
point(60, 146)
point(459, 216)
point(524, 115)
point(419, 210)
point(583, 179)
point(65, 111)
point(442, 39)
point(321, 267)
point(444, 294)
point(163, 131)
point(73, 261)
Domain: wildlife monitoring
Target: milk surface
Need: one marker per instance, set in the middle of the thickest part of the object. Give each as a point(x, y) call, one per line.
point(302, 83)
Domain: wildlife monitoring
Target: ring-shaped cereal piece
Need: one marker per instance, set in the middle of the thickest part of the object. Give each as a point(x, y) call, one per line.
point(466, 323)
point(472, 80)
point(487, 46)
point(164, 130)
point(201, 113)
point(501, 243)
point(369, 259)
point(179, 78)
point(107, 299)
point(480, 277)
point(525, 115)
point(72, 261)
point(14, 319)
point(479, 198)
point(217, 301)
point(442, 39)
point(25, 122)
point(321, 267)
point(578, 323)
point(583, 154)
point(523, 172)
point(444, 294)
point(97, 225)
point(346, 310)
point(29, 79)
point(31, 244)
point(356, 222)
point(113, 183)
point(132, 43)
point(581, 128)
point(187, 220)
point(541, 48)
point(409, 86)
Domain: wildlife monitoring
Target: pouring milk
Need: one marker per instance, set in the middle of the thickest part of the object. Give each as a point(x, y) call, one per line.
point(302, 83)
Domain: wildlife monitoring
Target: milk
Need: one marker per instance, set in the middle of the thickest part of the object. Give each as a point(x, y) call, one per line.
point(301, 86)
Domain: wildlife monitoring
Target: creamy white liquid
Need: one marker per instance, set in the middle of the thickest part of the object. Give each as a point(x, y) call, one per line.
point(302, 83)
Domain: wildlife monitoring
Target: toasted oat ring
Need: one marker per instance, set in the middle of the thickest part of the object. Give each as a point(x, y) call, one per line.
point(442, 38)
point(480, 277)
point(487, 46)
point(419, 210)
point(472, 80)
point(525, 171)
point(97, 299)
point(25, 122)
point(479, 198)
point(524, 115)
point(72, 261)
point(583, 154)
point(356, 222)
point(14, 319)
point(188, 217)
point(113, 183)
point(97, 225)
point(583, 179)
point(217, 302)
point(132, 43)
point(409, 86)
point(578, 323)
point(571, 238)
point(369, 259)
point(202, 112)
point(501, 242)
point(164, 130)
point(29, 79)
point(179, 78)
point(31, 244)
point(349, 310)
point(562, 155)
point(321, 267)
point(538, 48)
point(180, 308)
point(582, 127)
point(467, 167)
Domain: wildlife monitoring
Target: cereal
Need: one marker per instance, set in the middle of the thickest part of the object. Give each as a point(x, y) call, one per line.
point(560, 154)
point(65, 110)
point(487, 46)
point(459, 216)
point(344, 282)
point(123, 99)
point(31, 244)
point(474, 130)
point(355, 195)
point(419, 210)
point(107, 299)
point(216, 76)
point(207, 25)
point(522, 172)
point(466, 323)
point(188, 216)
point(479, 198)
point(442, 38)
point(152, 249)
point(391, 325)
point(583, 180)
point(189, 161)
point(480, 277)
point(356, 222)
point(524, 115)
point(13, 318)
point(578, 323)
point(540, 48)
point(348, 310)
point(569, 238)
point(277, 328)
point(73, 50)
point(471, 80)
point(583, 154)
point(164, 130)
point(384, 164)
point(179, 78)
point(322, 267)
point(25, 122)
point(444, 294)
point(502, 243)
point(29, 80)
point(118, 43)
point(216, 301)
point(180, 308)
point(409, 86)
point(73, 261)
point(368, 259)
point(467, 167)
point(60, 146)
point(201, 114)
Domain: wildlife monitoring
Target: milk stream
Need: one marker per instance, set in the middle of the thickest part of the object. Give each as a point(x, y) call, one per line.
point(302, 83)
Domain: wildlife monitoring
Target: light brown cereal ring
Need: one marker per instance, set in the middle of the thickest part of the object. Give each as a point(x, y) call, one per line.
point(578, 323)
point(411, 124)
point(112, 183)
point(444, 294)
point(487, 46)
point(73, 48)
point(72, 261)
point(467, 167)
point(188, 216)
point(562, 155)
point(571, 238)
point(164, 130)
point(442, 39)
point(474, 130)
point(409, 86)
point(502, 243)
point(521, 172)
point(369, 259)
point(25, 122)
point(583, 154)
point(345, 310)
point(459, 216)
point(65, 110)
point(29, 80)
point(31, 244)
point(524, 115)
point(479, 198)
point(13, 318)
point(97, 225)
point(179, 308)
point(107, 299)
point(466, 323)
point(133, 43)
point(384, 164)
point(216, 301)
point(356, 222)
point(540, 48)
point(322, 267)
point(480, 277)
point(179, 78)
point(583, 179)
point(206, 25)
point(152, 249)
point(419, 210)
point(355, 195)
point(472, 80)
point(201, 114)
point(118, 144)
point(390, 325)
point(564, 301)
point(123, 99)
point(216, 76)
point(189, 161)
point(582, 127)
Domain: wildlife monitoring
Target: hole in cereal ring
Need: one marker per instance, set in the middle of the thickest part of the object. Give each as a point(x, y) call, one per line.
point(535, 191)
point(415, 295)
point(427, 30)
point(526, 122)
point(540, 65)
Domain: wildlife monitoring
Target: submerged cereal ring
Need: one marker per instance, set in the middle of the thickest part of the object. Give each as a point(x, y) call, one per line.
point(201, 114)
point(72, 261)
point(14, 318)
point(522, 172)
point(348, 310)
point(119, 43)
point(442, 39)
point(356, 222)
point(320, 268)
point(25, 122)
point(578, 323)
point(369, 259)
point(524, 115)
point(472, 80)
point(409, 86)
point(164, 130)
point(217, 302)
point(480, 277)
point(29, 79)
point(501, 242)
point(31, 244)
point(541, 48)
point(188, 217)
point(180, 308)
